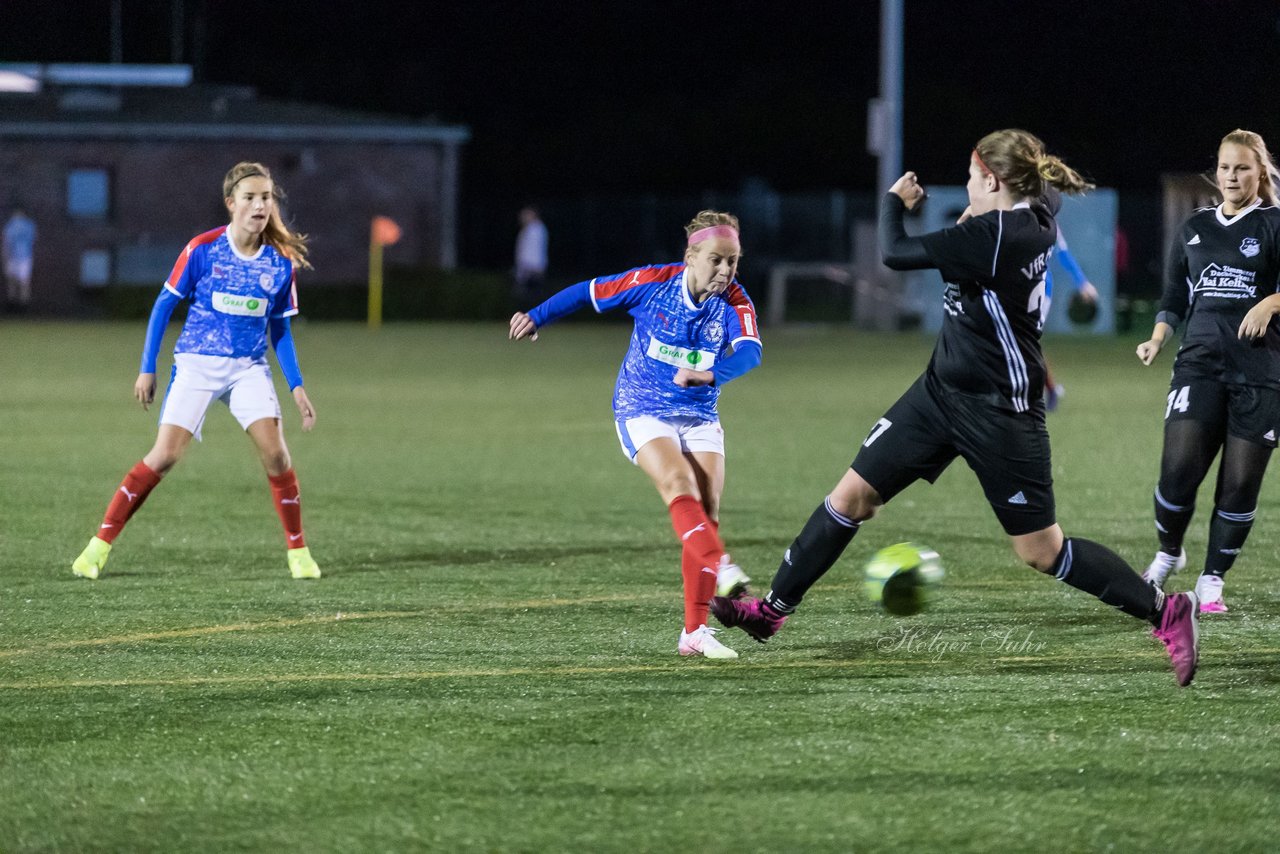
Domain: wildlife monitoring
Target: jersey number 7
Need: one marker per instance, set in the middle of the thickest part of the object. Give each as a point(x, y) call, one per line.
point(877, 431)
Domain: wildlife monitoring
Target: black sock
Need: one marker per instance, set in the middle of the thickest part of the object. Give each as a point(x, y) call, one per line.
point(818, 546)
point(1095, 569)
point(1171, 522)
point(1227, 533)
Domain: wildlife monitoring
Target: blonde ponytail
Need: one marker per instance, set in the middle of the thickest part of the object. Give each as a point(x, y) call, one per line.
point(1058, 174)
point(1018, 159)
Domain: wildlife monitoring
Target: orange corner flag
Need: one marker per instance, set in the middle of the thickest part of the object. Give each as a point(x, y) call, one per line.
point(384, 231)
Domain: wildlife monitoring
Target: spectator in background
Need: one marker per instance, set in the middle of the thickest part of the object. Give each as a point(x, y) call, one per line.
point(19, 251)
point(531, 254)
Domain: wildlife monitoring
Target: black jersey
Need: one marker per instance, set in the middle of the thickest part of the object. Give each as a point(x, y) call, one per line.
point(1219, 268)
point(994, 268)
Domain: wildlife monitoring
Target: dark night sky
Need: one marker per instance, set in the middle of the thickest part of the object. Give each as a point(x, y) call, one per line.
point(667, 96)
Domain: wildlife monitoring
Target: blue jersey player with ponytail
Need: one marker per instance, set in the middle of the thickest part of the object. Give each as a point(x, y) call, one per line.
point(695, 330)
point(239, 279)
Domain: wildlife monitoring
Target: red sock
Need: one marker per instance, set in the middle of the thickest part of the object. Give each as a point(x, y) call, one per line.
point(134, 489)
point(700, 557)
point(284, 494)
point(695, 606)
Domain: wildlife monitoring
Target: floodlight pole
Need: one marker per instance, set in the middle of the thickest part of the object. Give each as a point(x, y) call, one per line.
point(889, 133)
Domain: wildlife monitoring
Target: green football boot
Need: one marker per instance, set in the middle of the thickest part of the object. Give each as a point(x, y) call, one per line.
point(92, 559)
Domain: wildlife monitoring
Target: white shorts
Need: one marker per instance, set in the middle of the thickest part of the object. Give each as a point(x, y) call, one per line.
point(243, 384)
point(18, 268)
point(691, 434)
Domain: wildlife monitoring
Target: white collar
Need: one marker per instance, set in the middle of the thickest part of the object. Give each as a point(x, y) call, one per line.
point(1226, 220)
point(237, 252)
point(688, 297)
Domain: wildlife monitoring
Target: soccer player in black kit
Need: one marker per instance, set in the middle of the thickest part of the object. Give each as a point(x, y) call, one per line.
point(980, 398)
point(1222, 280)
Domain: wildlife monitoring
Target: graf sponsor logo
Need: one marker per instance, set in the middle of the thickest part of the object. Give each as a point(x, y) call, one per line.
point(681, 357)
point(235, 304)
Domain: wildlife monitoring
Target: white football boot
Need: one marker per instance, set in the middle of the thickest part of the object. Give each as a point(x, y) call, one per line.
point(1209, 592)
point(702, 642)
point(1163, 567)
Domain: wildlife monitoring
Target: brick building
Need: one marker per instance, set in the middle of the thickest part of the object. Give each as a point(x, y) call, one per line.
point(120, 165)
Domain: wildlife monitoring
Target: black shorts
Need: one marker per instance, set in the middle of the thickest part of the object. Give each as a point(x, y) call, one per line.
point(930, 426)
point(1248, 412)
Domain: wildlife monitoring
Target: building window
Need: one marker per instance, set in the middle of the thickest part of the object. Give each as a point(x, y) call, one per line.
point(88, 193)
point(95, 268)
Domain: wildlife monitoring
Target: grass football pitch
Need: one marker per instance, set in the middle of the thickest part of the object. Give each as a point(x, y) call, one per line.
point(489, 662)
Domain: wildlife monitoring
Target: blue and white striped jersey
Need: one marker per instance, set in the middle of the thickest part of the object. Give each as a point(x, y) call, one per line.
point(233, 296)
point(671, 332)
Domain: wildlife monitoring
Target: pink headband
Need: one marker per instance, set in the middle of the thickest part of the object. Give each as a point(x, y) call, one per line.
point(725, 231)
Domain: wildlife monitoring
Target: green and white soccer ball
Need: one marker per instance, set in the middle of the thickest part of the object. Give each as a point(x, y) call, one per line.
point(903, 578)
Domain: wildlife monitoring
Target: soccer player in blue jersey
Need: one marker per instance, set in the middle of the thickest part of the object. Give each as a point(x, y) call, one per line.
point(1085, 291)
point(695, 330)
point(240, 281)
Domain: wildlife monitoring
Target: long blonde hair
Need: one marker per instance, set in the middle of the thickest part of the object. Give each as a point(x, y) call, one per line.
point(1270, 177)
point(1018, 158)
point(290, 244)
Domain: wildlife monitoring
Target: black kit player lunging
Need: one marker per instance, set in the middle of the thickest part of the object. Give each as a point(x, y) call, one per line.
point(980, 398)
point(1222, 279)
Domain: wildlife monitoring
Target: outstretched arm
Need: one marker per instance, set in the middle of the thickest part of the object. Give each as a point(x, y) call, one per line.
point(560, 305)
point(1084, 287)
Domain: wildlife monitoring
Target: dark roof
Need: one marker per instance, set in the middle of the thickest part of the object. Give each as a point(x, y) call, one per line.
point(202, 112)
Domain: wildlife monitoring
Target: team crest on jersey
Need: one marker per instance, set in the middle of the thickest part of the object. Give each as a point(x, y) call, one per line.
point(1250, 247)
point(714, 331)
point(265, 281)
